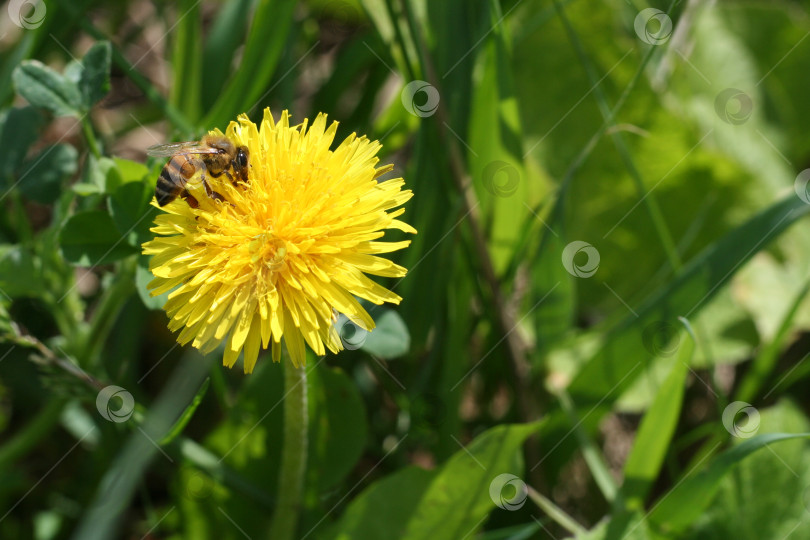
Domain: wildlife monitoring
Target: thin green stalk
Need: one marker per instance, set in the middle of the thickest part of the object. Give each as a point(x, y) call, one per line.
point(293, 453)
point(556, 513)
point(90, 137)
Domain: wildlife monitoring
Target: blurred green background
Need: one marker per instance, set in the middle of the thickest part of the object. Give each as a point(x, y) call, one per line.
point(603, 330)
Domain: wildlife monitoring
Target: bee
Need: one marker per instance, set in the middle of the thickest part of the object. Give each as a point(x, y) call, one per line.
point(213, 155)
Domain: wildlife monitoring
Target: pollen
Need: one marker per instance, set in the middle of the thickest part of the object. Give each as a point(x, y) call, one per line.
point(275, 258)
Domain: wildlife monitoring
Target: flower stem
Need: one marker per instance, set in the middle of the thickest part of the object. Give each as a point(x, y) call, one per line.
point(293, 453)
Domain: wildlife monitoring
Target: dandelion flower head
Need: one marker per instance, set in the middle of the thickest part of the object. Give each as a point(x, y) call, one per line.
point(279, 257)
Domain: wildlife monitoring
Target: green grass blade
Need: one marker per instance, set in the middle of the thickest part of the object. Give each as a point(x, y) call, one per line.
point(187, 83)
point(614, 367)
point(127, 469)
point(265, 41)
point(221, 42)
point(699, 282)
point(656, 430)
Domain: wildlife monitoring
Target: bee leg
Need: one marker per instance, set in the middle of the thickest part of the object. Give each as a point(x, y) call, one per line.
point(230, 177)
point(189, 198)
point(210, 192)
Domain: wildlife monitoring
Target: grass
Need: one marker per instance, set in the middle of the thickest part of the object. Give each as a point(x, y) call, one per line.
point(598, 388)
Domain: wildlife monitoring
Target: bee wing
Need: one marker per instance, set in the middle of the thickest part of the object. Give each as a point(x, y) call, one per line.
point(173, 149)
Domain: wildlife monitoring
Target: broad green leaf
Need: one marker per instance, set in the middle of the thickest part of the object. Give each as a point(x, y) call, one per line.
point(20, 274)
point(42, 176)
point(337, 431)
point(459, 497)
point(390, 337)
point(382, 510)
point(19, 128)
point(685, 503)
point(43, 87)
point(91, 238)
point(94, 82)
point(142, 278)
point(131, 171)
point(131, 212)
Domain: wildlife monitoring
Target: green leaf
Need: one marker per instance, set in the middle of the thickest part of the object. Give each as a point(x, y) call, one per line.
point(91, 238)
point(131, 171)
point(142, 278)
point(382, 510)
point(19, 128)
point(99, 176)
point(131, 212)
point(94, 82)
point(47, 89)
point(337, 431)
point(42, 176)
point(19, 273)
point(684, 504)
point(184, 419)
point(767, 495)
point(495, 135)
point(390, 337)
point(458, 499)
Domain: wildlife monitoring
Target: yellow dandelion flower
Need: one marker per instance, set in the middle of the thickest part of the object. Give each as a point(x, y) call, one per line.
point(280, 256)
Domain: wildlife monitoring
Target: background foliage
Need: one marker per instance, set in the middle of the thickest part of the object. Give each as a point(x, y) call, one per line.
point(606, 298)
